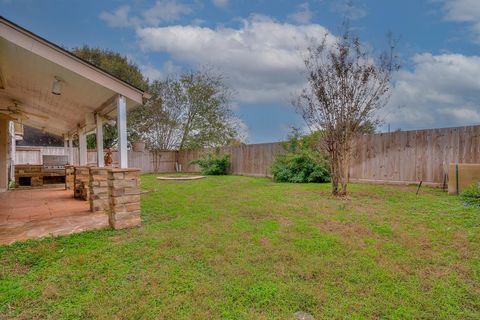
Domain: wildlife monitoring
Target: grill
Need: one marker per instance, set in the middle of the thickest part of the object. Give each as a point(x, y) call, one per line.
point(54, 163)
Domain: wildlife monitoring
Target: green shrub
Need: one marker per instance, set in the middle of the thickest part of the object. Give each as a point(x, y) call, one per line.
point(300, 167)
point(302, 163)
point(471, 195)
point(214, 164)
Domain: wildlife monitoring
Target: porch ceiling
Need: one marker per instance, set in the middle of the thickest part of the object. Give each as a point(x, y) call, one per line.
point(28, 67)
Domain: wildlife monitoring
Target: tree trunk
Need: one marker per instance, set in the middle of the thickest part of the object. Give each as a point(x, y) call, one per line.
point(339, 170)
point(344, 172)
point(334, 171)
point(335, 181)
point(156, 160)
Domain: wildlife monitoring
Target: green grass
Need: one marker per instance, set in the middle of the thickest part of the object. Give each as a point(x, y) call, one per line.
point(246, 248)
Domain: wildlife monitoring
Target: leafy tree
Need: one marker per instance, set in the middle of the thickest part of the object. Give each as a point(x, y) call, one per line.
point(158, 121)
point(346, 87)
point(113, 63)
point(207, 117)
point(119, 66)
point(191, 111)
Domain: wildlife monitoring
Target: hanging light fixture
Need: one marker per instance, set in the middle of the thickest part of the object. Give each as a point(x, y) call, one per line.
point(57, 86)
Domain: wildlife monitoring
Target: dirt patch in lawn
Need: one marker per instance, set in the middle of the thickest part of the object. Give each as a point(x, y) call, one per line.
point(345, 229)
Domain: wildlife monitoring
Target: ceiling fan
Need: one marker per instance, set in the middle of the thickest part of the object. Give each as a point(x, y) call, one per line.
point(17, 114)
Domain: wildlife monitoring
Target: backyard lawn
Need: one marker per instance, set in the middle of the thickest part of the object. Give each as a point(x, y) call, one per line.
point(246, 248)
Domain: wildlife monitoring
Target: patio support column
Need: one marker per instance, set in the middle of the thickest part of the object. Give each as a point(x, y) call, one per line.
point(99, 122)
point(122, 131)
point(82, 143)
point(4, 146)
point(65, 144)
point(70, 149)
point(13, 143)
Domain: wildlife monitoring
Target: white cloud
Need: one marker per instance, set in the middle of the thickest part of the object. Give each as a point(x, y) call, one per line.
point(303, 15)
point(442, 90)
point(463, 10)
point(162, 11)
point(165, 11)
point(153, 73)
point(220, 3)
point(260, 59)
point(467, 11)
point(118, 18)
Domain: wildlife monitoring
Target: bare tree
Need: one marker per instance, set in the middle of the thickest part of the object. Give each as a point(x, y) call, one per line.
point(346, 87)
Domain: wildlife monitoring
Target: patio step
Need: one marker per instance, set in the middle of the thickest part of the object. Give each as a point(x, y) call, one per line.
point(17, 231)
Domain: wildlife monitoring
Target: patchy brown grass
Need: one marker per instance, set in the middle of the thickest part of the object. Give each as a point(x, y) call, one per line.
point(247, 248)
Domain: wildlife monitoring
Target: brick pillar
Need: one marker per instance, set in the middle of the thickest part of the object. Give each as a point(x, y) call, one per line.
point(99, 191)
point(81, 183)
point(69, 177)
point(124, 196)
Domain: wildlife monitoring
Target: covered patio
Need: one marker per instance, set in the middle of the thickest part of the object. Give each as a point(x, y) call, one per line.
point(46, 87)
point(28, 214)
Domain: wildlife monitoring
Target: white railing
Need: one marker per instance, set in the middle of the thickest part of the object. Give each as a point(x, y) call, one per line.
point(146, 161)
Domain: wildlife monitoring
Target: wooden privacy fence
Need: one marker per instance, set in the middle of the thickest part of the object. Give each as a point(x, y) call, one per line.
point(248, 160)
point(413, 156)
point(397, 157)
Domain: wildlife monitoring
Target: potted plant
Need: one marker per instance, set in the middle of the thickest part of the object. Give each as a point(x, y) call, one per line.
point(136, 141)
point(138, 146)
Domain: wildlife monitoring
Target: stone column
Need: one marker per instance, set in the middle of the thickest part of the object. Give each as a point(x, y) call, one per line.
point(81, 183)
point(69, 177)
point(124, 196)
point(99, 191)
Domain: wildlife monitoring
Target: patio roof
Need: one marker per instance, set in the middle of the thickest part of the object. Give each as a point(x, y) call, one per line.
point(29, 66)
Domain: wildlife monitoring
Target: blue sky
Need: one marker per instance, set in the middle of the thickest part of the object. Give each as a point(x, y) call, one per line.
point(256, 44)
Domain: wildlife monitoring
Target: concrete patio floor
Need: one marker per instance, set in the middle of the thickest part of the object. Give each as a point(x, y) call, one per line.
point(36, 213)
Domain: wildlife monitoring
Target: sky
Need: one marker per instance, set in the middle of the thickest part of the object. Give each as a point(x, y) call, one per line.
point(257, 46)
